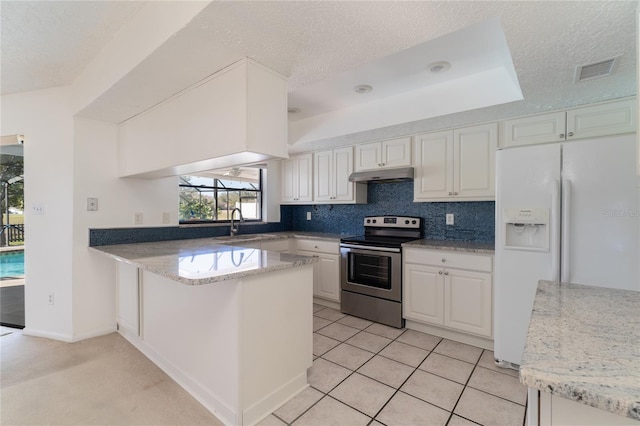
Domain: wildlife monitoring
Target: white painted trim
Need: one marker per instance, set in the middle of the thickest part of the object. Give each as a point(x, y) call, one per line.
point(210, 401)
point(469, 339)
point(267, 405)
point(327, 303)
point(47, 334)
point(95, 333)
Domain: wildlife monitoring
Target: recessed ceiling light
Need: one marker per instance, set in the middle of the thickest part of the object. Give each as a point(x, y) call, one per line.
point(363, 88)
point(438, 67)
point(293, 110)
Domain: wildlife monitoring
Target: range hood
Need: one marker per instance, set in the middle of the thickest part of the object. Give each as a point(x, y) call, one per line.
point(398, 174)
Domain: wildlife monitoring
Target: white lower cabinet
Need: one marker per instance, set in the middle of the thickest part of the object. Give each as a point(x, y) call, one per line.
point(326, 272)
point(449, 290)
point(559, 411)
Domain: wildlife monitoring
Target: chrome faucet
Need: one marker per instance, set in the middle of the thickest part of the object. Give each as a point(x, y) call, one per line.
point(235, 226)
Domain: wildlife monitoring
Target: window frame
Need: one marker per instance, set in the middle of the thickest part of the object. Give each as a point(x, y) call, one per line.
point(214, 189)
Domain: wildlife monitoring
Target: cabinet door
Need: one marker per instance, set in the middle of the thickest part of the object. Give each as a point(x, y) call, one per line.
point(305, 177)
point(600, 120)
point(433, 166)
point(542, 128)
point(342, 168)
point(326, 275)
point(368, 156)
point(474, 162)
point(423, 293)
point(289, 181)
point(467, 301)
point(396, 152)
point(323, 177)
point(128, 298)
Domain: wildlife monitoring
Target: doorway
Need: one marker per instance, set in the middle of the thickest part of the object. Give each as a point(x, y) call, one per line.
point(12, 235)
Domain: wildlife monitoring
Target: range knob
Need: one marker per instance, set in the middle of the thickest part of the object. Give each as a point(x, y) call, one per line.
point(374, 221)
point(406, 222)
point(368, 220)
point(413, 222)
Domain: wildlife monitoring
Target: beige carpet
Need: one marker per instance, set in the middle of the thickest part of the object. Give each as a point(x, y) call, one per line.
point(98, 381)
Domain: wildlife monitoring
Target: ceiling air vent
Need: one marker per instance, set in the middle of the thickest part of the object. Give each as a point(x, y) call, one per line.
point(598, 69)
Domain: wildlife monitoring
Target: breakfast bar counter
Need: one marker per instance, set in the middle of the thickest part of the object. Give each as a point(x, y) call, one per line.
point(583, 345)
point(229, 322)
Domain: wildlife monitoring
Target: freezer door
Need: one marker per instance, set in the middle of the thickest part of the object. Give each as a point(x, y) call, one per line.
point(600, 218)
point(525, 178)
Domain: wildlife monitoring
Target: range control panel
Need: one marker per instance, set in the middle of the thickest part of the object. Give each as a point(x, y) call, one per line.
point(393, 222)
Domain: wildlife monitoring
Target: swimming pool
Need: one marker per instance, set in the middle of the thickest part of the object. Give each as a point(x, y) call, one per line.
point(12, 264)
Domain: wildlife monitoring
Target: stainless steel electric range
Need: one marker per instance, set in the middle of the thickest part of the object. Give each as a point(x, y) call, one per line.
point(371, 268)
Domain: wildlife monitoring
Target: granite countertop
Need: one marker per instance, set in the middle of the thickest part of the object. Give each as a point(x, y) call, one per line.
point(443, 245)
point(202, 260)
point(583, 344)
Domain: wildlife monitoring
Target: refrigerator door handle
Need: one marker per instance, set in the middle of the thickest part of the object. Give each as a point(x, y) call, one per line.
point(555, 230)
point(566, 220)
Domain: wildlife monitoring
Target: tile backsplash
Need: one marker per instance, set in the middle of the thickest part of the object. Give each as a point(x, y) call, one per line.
point(474, 221)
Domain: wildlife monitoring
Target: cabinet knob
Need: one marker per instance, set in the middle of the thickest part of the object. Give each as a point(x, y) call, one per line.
point(440, 272)
point(570, 134)
point(444, 259)
point(561, 135)
point(450, 193)
point(315, 246)
point(446, 273)
point(455, 193)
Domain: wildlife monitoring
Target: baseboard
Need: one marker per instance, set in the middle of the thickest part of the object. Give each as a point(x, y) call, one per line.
point(457, 336)
point(327, 303)
point(274, 400)
point(95, 333)
point(211, 402)
point(47, 334)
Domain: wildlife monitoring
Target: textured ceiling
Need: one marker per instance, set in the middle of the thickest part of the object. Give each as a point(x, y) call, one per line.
point(309, 41)
point(49, 43)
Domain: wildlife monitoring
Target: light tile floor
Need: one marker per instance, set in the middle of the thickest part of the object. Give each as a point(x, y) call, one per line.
point(365, 373)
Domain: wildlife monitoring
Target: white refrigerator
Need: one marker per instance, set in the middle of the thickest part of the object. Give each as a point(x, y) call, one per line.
point(564, 212)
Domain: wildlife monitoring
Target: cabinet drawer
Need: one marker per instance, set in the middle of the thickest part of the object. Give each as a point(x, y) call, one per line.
point(318, 246)
point(446, 259)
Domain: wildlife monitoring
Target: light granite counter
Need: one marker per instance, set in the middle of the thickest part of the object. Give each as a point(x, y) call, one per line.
point(583, 344)
point(443, 245)
point(204, 260)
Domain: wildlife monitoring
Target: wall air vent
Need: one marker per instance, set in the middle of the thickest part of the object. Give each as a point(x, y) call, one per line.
point(595, 70)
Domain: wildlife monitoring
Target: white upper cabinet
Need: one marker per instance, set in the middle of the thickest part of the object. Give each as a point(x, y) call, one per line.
point(385, 154)
point(331, 179)
point(457, 165)
point(297, 177)
point(610, 118)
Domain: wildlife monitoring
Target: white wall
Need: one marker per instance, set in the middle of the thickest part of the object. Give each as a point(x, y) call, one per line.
point(95, 175)
point(45, 118)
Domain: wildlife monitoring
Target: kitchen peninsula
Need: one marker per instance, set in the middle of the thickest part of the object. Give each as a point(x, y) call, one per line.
point(231, 324)
point(582, 352)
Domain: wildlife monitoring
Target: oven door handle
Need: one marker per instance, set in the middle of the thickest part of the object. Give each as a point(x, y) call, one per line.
point(370, 248)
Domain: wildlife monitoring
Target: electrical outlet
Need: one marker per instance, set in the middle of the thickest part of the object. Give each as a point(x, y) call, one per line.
point(137, 218)
point(449, 218)
point(308, 215)
point(50, 298)
point(37, 209)
point(92, 204)
point(166, 218)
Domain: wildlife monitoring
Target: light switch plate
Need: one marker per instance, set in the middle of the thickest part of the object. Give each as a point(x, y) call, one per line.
point(137, 218)
point(449, 219)
point(308, 215)
point(166, 218)
point(37, 209)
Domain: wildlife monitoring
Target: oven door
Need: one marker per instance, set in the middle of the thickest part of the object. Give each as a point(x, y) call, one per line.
point(373, 271)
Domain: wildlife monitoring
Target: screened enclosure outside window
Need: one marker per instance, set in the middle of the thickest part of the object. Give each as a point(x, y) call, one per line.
point(211, 196)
